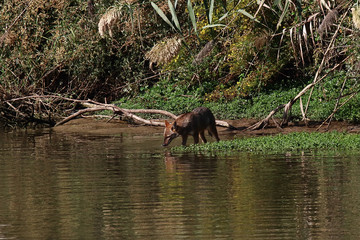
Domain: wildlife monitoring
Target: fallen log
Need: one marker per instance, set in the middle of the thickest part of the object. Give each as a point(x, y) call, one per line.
point(89, 106)
point(92, 106)
point(117, 110)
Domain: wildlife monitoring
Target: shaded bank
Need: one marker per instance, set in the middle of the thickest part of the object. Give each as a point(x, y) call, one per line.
point(295, 137)
point(91, 125)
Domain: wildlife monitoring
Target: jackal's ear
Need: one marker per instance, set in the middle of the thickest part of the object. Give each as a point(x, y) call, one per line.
point(167, 123)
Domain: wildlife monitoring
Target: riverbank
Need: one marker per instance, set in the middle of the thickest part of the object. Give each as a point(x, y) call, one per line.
point(105, 127)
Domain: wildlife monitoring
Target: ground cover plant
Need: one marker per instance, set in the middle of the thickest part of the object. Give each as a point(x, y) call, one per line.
point(281, 143)
point(178, 99)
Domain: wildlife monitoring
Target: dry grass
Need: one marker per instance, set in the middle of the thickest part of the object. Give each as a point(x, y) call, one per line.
point(109, 20)
point(356, 17)
point(164, 51)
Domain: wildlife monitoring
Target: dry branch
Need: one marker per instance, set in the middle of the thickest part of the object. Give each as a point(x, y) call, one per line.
point(47, 105)
point(152, 111)
point(263, 123)
point(335, 110)
point(78, 113)
point(325, 58)
point(225, 124)
point(93, 106)
point(287, 107)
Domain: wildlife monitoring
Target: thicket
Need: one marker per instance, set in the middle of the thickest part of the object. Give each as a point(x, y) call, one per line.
point(55, 47)
point(181, 53)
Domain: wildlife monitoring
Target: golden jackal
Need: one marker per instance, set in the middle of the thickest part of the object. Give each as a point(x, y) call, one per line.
point(193, 123)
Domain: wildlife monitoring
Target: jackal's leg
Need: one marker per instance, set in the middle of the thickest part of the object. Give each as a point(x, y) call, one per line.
point(202, 135)
point(213, 132)
point(184, 139)
point(196, 138)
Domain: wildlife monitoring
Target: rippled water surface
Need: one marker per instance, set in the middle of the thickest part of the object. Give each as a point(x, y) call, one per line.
point(126, 186)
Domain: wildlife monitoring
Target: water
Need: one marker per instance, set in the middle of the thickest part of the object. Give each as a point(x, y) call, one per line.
point(56, 185)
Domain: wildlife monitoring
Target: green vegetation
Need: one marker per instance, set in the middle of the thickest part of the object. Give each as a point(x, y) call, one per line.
point(240, 58)
point(53, 46)
point(303, 141)
point(178, 98)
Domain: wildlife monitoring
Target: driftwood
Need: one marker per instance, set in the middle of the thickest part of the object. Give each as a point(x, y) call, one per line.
point(93, 106)
point(44, 107)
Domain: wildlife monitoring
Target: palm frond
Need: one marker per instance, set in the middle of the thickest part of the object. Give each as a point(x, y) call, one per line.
point(162, 14)
point(192, 16)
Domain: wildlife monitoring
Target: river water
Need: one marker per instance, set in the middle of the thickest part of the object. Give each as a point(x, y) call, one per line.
point(61, 185)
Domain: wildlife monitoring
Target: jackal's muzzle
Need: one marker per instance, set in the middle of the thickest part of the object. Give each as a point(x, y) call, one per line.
point(169, 138)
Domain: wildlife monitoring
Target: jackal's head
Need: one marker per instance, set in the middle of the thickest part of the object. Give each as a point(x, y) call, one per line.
point(169, 133)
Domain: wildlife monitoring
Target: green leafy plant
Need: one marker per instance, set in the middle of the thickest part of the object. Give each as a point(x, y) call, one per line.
point(281, 143)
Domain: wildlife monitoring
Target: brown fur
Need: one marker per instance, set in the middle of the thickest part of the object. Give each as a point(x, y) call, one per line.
point(193, 123)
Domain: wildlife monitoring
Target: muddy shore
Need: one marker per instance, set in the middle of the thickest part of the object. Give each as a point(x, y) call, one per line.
point(91, 126)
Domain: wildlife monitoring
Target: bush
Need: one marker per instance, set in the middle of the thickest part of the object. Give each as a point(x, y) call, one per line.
point(54, 47)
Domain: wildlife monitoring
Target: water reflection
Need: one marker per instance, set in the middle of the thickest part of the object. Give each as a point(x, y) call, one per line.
point(124, 186)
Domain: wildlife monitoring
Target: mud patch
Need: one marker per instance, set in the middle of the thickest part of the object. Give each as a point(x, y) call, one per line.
point(294, 127)
point(103, 127)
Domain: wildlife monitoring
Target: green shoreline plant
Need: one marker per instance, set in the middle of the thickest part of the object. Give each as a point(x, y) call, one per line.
point(178, 98)
point(280, 143)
